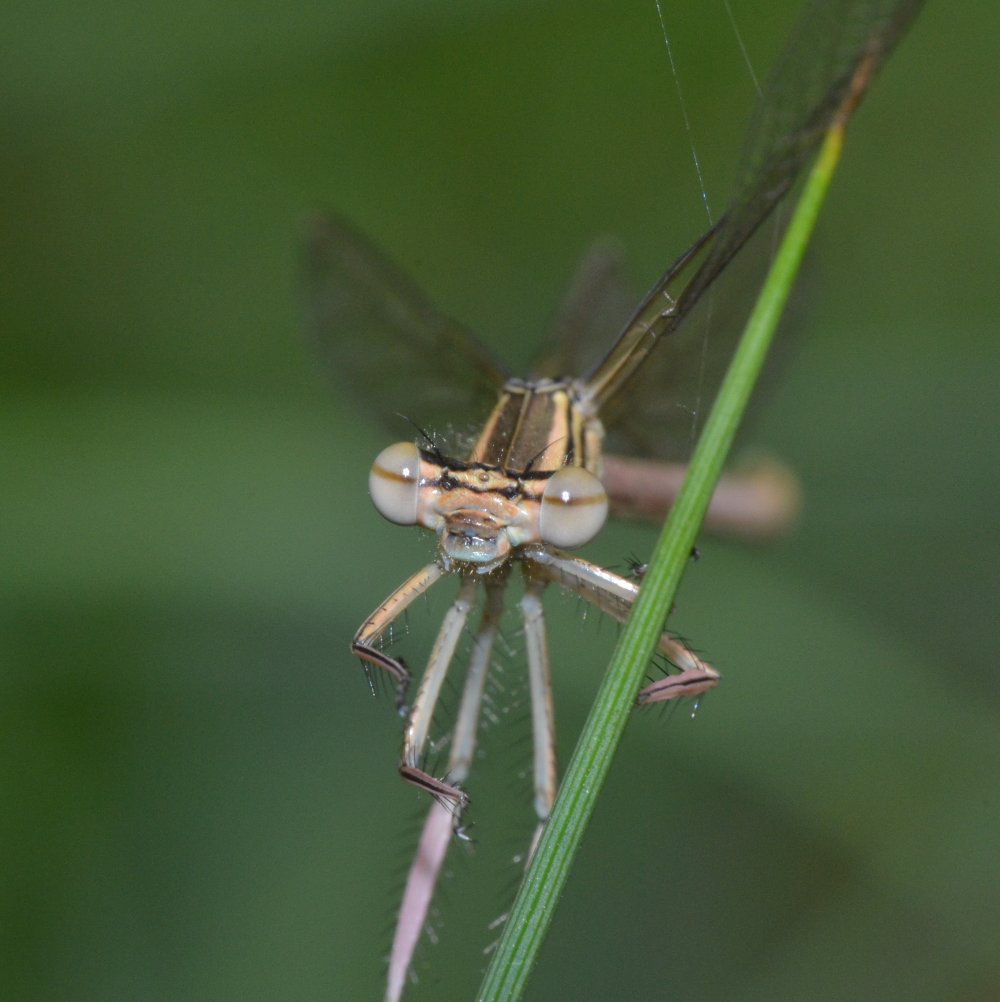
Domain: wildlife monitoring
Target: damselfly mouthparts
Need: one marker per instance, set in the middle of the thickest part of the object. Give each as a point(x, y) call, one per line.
point(535, 481)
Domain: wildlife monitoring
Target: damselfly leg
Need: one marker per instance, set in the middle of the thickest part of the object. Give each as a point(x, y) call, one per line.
point(609, 592)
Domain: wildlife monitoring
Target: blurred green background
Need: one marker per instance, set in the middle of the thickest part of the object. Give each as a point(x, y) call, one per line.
point(200, 798)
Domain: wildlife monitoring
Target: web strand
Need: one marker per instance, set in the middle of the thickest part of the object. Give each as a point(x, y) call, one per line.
point(742, 45)
point(684, 113)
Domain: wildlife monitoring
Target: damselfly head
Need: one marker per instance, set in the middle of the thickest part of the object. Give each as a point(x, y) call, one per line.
point(482, 512)
point(474, 536)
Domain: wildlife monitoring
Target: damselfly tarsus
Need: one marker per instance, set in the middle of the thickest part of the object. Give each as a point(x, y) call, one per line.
point(535, 480)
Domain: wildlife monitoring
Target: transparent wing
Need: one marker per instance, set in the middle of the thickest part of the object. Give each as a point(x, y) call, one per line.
point(660, 412)
point(384, 343)
point(817, 74)
point(597, 302)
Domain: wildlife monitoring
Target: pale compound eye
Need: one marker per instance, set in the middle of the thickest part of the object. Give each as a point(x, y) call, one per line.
point(574, 507)
point(394, 483)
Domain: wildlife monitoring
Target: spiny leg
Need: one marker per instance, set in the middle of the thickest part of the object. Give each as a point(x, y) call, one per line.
point(540, 683)
point(544, 770)
point(421, 714)
point(694, 678)
point(467, 723)
point(437, 831)
point(614, 595)
point(373, 629)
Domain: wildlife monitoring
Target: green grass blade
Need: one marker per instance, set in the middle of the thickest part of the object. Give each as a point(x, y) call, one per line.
point(544, 880)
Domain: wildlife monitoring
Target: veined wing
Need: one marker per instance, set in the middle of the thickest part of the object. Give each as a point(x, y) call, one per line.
point(385, 344)
point(596, 303)
point(807, 89)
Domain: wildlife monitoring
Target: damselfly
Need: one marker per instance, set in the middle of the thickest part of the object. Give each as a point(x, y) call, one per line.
point(535, 481)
